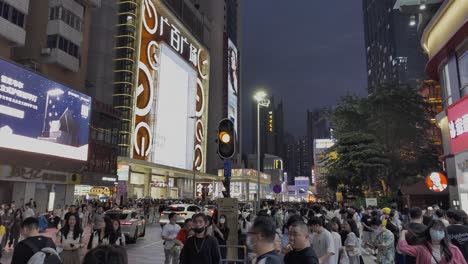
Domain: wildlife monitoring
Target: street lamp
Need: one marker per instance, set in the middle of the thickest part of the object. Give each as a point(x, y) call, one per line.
point(261, 99)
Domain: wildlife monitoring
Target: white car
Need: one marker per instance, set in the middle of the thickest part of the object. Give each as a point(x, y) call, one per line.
point(183, 211)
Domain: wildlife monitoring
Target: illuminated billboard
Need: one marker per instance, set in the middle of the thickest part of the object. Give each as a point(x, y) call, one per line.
point(233, 83)
point(457, 115)
point(172, 92)
point(41, 116)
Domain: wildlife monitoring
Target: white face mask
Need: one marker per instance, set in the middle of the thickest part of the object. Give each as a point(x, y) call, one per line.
point(222, 221)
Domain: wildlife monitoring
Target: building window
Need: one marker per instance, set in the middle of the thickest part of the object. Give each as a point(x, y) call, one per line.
point(11, 14)
point(60, 13)
point(445, 86)
point(463, 73)
point(63, 44)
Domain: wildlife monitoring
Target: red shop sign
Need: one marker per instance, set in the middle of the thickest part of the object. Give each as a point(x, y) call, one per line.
point(457, 115)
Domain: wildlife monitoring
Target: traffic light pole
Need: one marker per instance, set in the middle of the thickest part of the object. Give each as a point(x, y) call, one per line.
point(258, 158)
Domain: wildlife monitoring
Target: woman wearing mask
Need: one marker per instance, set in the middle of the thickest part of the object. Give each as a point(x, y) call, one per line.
point(101, 234)
point(116, 237)
point(434, 246)
point(352, 243)
point(221, 233)
point(244, 227)
point(16, 228)
point(69, 238)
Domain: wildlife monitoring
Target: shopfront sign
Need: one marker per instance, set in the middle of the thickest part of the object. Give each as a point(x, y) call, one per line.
point(436, 182)
point(457, 115)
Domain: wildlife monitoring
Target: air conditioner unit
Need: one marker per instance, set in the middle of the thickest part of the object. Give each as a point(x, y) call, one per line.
point(45, 51)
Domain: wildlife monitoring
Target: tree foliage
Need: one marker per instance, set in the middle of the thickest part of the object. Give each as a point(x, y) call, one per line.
point(380, 140)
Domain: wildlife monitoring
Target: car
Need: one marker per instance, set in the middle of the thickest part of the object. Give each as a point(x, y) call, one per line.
point(183, 211)
point(132, 224)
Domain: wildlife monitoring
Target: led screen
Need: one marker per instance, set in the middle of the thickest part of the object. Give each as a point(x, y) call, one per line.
point(233, 82)
point(41, 116)
point(174, 122)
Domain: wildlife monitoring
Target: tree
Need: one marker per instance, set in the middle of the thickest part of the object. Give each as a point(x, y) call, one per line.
point(381, 140)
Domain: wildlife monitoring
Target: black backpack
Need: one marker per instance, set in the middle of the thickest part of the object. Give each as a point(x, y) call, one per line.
point(45, 255)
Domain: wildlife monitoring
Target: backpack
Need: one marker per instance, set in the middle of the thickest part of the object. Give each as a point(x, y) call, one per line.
point(46, 255)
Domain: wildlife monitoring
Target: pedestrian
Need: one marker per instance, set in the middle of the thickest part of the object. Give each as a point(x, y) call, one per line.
point(97, 216)
point(352, 243)
point(299, 249)
point(106, 254)
point(100, 235)
point(261, 240)
point(322, 241)
point(116, 237)
point(200, 248)
point(383, 242)
point(457, 232)
point(185, 232)
point(16, 228)
point(169, 234)
point(33, 243)
point(7, 220)
point(221, 233)
point(415, 228)
point(434, 246)
point(70, 239)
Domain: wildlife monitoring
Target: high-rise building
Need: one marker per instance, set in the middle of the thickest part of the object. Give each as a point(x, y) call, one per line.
point(392, 44)
point(44, 55)
point(318, 126)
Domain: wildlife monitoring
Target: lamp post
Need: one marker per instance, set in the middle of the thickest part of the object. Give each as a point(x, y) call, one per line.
point(261, 99)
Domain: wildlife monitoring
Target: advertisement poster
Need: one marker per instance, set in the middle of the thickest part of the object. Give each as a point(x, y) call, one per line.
point(41, 116)
point(233, 83)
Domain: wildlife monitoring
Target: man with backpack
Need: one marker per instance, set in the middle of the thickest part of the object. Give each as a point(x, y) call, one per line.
point(34, 249)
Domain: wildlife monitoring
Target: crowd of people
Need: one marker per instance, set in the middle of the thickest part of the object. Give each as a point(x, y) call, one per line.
point(325, 234)
point(22, 229)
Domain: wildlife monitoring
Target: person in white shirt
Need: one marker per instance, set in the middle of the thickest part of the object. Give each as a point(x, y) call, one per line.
point(169, 234)
point(28, 211)
point(322, 241)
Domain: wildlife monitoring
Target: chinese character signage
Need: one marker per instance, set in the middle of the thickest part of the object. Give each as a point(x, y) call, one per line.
point(41, 116)
point(458, 125)
point(172, 92)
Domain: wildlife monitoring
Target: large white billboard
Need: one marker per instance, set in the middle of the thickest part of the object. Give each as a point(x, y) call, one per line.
point(174, 111)
point(41, 116)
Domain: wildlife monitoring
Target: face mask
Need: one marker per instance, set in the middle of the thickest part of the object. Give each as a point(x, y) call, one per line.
point(250, 244)
point(222, 220)
point(437, 235)
point(245, 214)
point(198, 230)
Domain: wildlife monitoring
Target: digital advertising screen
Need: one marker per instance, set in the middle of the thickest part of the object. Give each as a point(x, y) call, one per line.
point(233, 83)
point(175, 111)
point(41, 116)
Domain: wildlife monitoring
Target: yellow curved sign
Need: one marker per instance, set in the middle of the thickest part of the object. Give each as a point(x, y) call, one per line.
point(100, 190)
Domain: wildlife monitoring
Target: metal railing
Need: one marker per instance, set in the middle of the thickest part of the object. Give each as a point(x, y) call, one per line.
point(238, 249)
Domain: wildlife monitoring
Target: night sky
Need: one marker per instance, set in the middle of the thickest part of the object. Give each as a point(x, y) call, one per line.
point(307, 53)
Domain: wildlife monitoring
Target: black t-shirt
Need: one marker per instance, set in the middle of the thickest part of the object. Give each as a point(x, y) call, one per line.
point(23, 253)
point(200, 251)
point(414, 229)
point(366, 219)
point(305, 256)
point(271, 257)
point(458, 235)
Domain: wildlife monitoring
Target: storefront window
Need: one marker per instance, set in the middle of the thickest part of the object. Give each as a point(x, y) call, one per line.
point(445, 85)
point(463, 73)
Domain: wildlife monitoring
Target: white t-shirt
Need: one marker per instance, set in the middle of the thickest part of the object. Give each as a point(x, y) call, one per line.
point(337, 243)
point(28, 213)
point(323, 243)
point(170, 231)
point(436, 254)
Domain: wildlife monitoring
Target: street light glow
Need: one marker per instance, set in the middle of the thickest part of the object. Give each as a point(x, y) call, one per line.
point(422, 7)
point(412, 21)
point(259, 96)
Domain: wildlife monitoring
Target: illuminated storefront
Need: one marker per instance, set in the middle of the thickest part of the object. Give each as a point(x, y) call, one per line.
point(445, 39)
point(244, 184)
point(167, 126)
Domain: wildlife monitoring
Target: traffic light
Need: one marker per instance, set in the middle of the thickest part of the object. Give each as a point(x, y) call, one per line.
point(226, 139)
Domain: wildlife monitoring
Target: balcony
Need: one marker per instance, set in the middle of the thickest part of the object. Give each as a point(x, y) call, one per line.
point(61, 58)
point(20, 5)
point(58, 27)
point(12, 32)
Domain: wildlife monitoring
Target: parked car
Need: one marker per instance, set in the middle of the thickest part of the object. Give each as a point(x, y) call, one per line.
point(132, 224)
point(183, 211)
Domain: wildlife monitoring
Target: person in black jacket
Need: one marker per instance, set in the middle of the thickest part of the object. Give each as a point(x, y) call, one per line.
point(201, 248)
point(299, 247)
point(30, 229)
